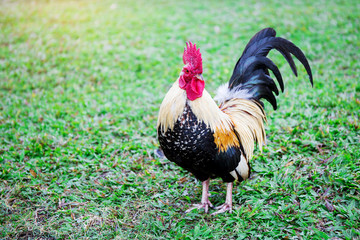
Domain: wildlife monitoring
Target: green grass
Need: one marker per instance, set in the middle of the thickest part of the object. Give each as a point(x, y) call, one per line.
point(80, 87)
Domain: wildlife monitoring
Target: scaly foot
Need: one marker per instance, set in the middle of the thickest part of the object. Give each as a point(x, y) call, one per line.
point(204, 205)
point(223, 208)
point(227, 206)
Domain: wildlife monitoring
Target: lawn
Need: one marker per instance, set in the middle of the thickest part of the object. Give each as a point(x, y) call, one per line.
point(81, 83)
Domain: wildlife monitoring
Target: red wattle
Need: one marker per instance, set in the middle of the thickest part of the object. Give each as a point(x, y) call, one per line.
point(195, 89)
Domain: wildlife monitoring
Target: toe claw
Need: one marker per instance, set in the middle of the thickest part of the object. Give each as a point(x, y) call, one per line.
point(190, 209)
point(204, 205)
point(223, 208)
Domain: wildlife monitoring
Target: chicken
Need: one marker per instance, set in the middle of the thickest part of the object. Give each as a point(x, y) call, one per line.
point(211, 140)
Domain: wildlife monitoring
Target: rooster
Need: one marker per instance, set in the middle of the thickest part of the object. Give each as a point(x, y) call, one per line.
point(211, 140)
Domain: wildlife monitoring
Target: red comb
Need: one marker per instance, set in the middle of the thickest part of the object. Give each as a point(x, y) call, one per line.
point(192, 56)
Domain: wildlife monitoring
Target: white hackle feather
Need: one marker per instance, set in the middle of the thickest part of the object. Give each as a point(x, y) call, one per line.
point(204, 108)
point(224, 94)
point(248, 119)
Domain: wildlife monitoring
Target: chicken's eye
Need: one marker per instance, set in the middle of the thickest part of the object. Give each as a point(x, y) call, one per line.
point(186, 71)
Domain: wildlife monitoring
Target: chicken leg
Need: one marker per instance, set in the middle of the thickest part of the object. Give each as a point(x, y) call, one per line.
point(205, 203)
point(227, 206)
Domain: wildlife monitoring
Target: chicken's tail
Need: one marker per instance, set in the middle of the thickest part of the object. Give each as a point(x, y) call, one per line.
point(251, 79)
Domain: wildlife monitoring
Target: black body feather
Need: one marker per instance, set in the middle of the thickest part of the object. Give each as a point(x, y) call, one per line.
point(191, 146)
point(251, 72)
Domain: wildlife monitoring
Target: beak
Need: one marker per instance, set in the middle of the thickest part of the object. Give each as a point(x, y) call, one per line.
point(199, 76)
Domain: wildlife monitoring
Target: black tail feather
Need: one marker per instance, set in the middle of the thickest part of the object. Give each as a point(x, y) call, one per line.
point(251, 71)
point(265, 33)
